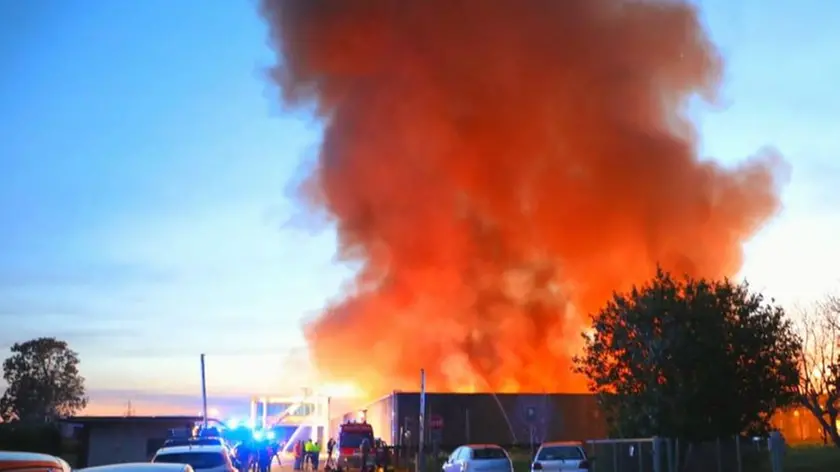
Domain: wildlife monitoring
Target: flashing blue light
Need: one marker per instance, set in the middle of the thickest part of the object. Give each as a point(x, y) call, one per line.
point(258, 435)
point(270, 435)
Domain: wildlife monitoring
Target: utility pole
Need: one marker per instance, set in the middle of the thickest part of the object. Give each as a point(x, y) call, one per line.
point(129, 411)
point(421, 430)
point(203, 393)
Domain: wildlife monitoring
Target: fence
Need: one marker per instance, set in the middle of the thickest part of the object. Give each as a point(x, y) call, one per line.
point(734, 454)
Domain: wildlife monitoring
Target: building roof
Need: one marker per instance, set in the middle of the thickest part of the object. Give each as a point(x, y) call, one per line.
point(133, 419)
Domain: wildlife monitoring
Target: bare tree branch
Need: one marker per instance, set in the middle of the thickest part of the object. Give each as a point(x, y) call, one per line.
point(819, 360)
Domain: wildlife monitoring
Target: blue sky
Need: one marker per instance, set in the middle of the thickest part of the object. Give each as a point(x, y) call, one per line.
point(145, 167)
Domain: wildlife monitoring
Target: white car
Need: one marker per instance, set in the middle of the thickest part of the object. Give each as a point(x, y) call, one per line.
point(202, 458)
point(566, 456)
point(478, 457)
point(139, 467)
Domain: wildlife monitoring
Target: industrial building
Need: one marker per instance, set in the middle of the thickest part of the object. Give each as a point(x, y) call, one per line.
point(455, 418)
point(118, 439)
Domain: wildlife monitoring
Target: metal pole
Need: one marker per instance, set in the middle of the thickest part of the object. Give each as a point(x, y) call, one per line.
point(203, 392)
point(467, 424)
point(421, 430)
point(328, 420)
point(641, 456)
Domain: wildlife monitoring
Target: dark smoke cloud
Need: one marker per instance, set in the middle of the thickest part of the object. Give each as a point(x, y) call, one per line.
point(499, 167)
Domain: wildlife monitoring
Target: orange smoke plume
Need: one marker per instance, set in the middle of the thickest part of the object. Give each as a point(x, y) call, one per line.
point(498, 168)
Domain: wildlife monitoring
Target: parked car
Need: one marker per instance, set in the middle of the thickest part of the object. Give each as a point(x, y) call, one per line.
point(202, 458)
point(566, 456)
point(192, 441)
point(26, 461)
point(478, 457)
point(139, 467)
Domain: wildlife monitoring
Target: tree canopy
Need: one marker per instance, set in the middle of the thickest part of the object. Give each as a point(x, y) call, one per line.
point(43, 381)
point(690, 358)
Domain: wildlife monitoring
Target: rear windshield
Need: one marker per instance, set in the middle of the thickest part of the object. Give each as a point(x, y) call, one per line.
point(198, 460)
point(355, 439)
point(489, 453)
point(193, 442)
point(559, 453)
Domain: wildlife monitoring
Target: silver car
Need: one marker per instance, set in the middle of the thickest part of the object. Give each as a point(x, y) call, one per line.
point(564, 456)
point(139, 467)
point(478, 458)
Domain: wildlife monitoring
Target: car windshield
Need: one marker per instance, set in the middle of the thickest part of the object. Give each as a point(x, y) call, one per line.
point(489, 453)
point(354, 439)
point(197, 460)
point(559, 453)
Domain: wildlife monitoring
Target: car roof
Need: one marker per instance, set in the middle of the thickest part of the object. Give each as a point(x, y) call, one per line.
point(483, 446)
point(193, 448)
point(139, 467)
point(26, 456)
point(562, 443)
point(195, 441)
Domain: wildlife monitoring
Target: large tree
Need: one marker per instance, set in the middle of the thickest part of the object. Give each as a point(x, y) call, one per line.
point(690, 358)
point(819, 386)
point(43, 381)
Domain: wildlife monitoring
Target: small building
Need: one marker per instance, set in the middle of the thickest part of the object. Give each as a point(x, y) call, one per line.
point(118, 439)
point(507, 419)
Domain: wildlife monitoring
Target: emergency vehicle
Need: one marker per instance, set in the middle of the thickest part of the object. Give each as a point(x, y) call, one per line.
point(353, 440)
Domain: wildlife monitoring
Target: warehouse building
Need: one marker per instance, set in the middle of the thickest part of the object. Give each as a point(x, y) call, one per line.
point(454, 418)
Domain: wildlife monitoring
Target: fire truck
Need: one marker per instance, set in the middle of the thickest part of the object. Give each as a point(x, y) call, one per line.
point(356, 447)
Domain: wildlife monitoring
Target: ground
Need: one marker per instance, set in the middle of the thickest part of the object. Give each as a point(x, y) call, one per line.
point(287, 461)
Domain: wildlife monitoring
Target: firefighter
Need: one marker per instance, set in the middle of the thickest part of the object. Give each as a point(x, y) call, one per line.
point(243, 456)
point(365, 449)
point(264, 455)
point(330, 449)
point(381, 455)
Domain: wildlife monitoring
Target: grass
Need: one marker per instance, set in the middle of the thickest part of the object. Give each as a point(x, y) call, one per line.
point(812, 459)
point(809, 458)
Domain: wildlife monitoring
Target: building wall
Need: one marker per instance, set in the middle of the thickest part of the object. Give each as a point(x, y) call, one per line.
point(120, 442)
point(381, 415)
point(477, 418)
point(504, 418)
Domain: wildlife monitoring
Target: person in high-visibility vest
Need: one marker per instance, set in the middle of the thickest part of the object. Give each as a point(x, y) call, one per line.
point(308, 447)
point(316, 454)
